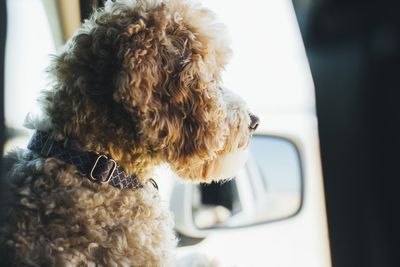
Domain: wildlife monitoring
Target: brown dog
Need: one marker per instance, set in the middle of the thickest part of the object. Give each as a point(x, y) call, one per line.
point(138, 85)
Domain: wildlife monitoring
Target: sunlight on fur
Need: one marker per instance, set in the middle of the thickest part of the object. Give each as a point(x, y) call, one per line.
point(140, 82)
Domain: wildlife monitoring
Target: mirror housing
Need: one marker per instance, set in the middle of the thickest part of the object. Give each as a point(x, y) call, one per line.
point(268, 188)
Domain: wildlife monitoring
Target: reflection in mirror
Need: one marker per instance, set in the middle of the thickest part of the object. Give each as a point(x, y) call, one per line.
point(268, 188)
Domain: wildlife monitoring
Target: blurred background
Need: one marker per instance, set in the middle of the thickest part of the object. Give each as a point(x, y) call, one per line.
point(293, 60)
point(353, 48)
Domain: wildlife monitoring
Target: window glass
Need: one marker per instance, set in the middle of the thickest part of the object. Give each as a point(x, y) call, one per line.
point(269, 67)
point(28, 48)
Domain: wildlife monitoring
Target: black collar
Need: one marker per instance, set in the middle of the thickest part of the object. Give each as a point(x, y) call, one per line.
point(97, 168)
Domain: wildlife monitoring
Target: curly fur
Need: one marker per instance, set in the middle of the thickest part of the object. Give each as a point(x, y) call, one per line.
point(140, 81)
point(61, 219)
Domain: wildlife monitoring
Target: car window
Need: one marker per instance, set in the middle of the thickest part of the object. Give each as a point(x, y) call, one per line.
point(269, 67)
point(28, 48)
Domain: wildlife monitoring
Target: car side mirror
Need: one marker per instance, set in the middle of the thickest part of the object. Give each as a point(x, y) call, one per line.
point(268, 188)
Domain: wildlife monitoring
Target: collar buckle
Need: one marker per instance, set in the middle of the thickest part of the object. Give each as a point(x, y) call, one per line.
point(102, 163)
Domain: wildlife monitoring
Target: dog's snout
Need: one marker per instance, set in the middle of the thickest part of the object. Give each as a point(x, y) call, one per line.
point(255, 121)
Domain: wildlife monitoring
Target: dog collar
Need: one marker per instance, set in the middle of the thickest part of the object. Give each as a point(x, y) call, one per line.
point(97, 168)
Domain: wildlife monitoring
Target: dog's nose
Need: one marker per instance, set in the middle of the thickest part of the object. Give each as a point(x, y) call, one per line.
point(255, 121)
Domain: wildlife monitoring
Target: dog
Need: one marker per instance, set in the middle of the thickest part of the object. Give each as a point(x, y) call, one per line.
point(138, 85)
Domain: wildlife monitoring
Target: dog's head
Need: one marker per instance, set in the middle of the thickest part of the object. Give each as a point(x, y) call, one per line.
point(141, 81)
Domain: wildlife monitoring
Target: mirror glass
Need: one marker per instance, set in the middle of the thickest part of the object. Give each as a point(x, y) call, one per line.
point(268, 188)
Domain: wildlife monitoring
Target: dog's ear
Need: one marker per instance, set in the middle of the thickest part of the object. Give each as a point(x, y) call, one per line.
point(140, 71)
point(200, 126)
point(172, 87)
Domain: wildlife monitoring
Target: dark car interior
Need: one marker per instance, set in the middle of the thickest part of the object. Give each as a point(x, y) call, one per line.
point(353, 48)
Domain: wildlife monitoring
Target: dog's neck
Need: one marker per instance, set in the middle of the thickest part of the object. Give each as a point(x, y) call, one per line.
point(133, 161)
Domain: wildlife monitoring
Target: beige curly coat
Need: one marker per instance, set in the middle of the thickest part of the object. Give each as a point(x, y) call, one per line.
point(141, 83)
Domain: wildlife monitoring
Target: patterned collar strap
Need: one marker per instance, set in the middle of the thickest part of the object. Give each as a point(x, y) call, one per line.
point(98, 168)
